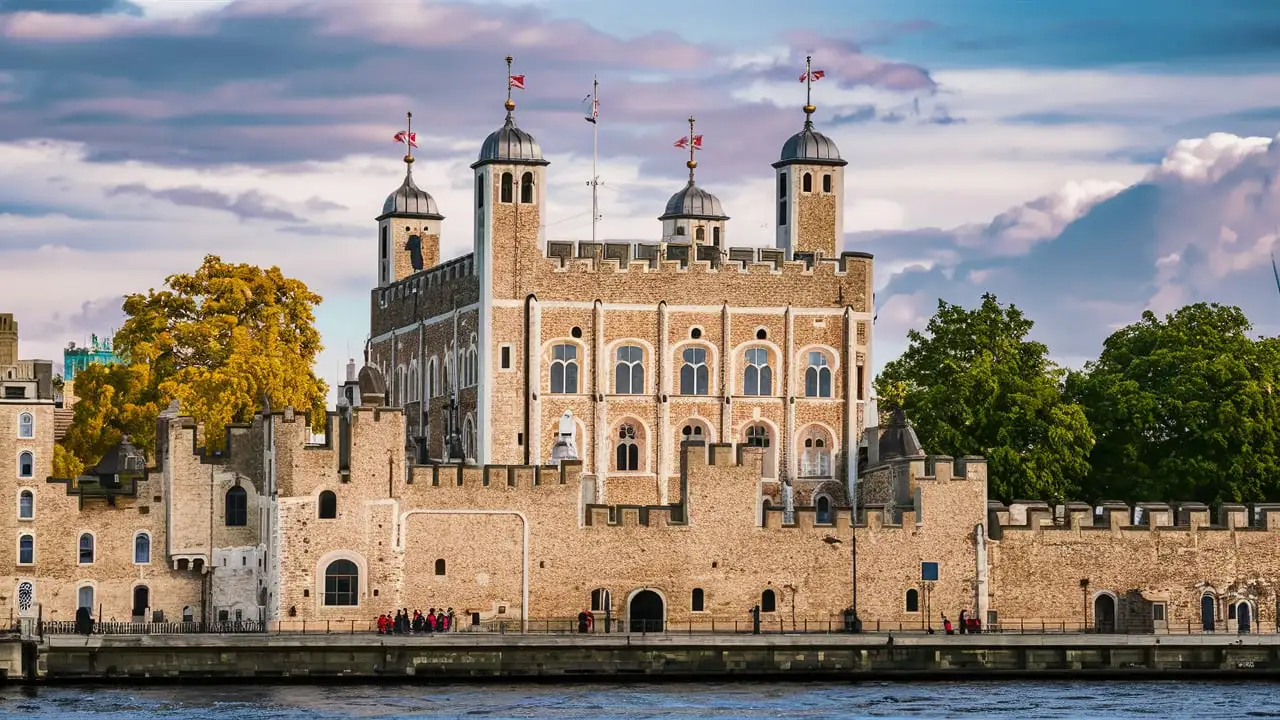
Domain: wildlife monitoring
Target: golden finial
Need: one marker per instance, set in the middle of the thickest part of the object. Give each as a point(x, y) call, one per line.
point(408, 139)
point(510, 104)
point(693, 145)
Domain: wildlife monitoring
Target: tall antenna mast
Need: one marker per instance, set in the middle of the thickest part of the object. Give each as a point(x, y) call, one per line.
point(594, 182)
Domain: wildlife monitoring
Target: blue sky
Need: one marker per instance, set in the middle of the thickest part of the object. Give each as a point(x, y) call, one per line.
point(1085, 160)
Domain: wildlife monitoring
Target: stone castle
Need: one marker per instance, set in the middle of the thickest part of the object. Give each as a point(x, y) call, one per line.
point(663, 433)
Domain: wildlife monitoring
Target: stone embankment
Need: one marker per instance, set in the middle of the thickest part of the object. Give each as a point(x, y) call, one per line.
point(239, 658)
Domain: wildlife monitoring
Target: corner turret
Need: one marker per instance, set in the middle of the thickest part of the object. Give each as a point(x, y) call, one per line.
point(409, 226)
point(810, 175)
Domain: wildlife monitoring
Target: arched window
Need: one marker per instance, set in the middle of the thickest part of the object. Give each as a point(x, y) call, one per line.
point(806, 182)
point(826, 183)
point(468, 439)
point(86, 549)
point(600, 600)
point(440, 566)
point(84, 597)
point(564, 369)
point(475, 366)
point(698, 602)
point(768, 601)
point(526, 188)
point(627, 458)
point(187, 614)
point(26, 550)
point(695, 376)
point(237, 507)
point(628, 374)
point(680, 230)
point(757, 379)
point(26, 426)
point(692, 433)
point(341, 584)
point(782, 185)
point(758, 436)
point(26, 505)
point(433, 377)
point(817, 377)
point(715, 235)
point(815, 459)
point(26, 464)
point(328, 505)
point(824, 509)
point(700, 235)
point(506, 187)
point(142, 549)
point(913, 600)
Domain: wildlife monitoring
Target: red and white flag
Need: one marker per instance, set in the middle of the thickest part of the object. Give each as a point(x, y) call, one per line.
point(407, 138)
point(814, 75)
point(516, 81)
point(683, 143)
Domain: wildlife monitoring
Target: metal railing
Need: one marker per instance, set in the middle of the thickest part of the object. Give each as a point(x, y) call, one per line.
point(693, 626)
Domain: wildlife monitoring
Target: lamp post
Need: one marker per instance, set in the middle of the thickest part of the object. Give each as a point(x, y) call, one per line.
point(1084, 597)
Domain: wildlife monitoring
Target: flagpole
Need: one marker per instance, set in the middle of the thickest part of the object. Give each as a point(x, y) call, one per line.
point(595, 156)
point(692, 146)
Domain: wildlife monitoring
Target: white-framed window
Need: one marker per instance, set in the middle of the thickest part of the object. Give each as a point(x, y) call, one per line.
point(26, 504)
point(433, 377)
point(627, 450)
point(142, 548)
point(26, 549)
point(86, 549)
point(84, 597)
point(26, 464)
point(695, 375)
point(757, 378)
point(26, 426)
point(564, 369)
point(600, 600)
point(815, 455)
point(693, 432)
point(817, 376)
point(628, 374)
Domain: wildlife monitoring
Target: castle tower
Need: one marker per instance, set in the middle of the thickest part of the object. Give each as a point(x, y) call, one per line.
point(8, 341)
point(693, 214)
point(810, 186)
point(510, 196)
point(409, 226)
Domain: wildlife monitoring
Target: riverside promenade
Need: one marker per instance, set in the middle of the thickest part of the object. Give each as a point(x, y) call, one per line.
point(478, 657)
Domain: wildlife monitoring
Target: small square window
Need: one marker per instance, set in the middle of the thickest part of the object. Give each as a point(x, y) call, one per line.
point(1158, 612)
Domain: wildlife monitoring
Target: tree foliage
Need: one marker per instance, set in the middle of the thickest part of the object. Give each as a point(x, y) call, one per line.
point(973, 384)
point(220, 340)
point(1184, 408)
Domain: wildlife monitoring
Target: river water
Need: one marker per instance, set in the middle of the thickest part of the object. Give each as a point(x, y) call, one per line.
point(706, 701)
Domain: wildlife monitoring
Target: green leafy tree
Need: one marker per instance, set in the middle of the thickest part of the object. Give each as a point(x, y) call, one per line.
point(973, 384)
point(220, 340)
point(1184, 409)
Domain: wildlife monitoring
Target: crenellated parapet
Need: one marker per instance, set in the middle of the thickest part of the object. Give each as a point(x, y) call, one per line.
point(613, 257)
point(1113, 516)
point(496, 477)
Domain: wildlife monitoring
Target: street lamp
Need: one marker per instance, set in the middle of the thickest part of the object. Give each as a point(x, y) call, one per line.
point(1084, 597)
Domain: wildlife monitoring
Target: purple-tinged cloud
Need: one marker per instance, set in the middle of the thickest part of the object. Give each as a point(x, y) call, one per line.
point(251, 205)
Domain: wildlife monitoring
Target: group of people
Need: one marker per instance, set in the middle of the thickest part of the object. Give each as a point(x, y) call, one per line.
point(967, 624)
point(402, 623)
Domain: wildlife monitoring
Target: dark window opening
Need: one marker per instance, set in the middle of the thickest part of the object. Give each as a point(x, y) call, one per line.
point(782, 212)
point(782, 185)
point(506, 187)
point(506, 358)
point(826, 183)
point(762, 334)
point(700, 235)
point(328, 505)
point(440, 566)
point(480, 190)
point(806, 182)
point(913, 601)
point(768, 601)
point(237, 507)
point(526, 188)
point(715, 236)
point(341, 584)
point(860, 381)
point(698, 602)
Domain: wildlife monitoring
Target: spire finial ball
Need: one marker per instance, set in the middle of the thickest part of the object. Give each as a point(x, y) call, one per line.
point(510, 105)
point(408, 159)
point(691, 164)
point(809, 109)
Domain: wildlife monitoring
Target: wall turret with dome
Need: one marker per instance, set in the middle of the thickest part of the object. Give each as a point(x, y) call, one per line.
point(693, 214)
point(810, 186)
point(409, 225)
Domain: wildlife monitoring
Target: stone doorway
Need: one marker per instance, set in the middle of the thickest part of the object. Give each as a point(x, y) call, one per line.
point(1104, 613)
point(141, 601)
point(646, 612)
point(1244, 618)
point(1207, 618)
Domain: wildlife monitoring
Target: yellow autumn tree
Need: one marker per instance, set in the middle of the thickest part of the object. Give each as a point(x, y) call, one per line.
point(221, 340)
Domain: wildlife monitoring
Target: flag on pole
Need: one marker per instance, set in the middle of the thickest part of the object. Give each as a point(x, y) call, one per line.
point(595, 110)
point(407, 138)
point(516, 81)
point(814, 75)
point(684, 143)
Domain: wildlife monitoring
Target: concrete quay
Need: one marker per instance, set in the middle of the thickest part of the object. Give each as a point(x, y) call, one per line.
point(480, 657)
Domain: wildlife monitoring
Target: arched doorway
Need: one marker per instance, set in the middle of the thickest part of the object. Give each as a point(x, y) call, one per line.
point(141, 601)
point(646, 612)
point(1244, 618)
point(1104, 613)
point(1206, 613)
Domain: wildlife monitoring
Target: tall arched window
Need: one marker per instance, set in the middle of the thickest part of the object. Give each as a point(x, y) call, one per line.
point(627, 457)
point(768, 601)
point(433, 377)
point(468, 439)
point(806, 182)
point(700, 235)
point(506, 191)
point(328, 505)
point(26, 505)
point(600, 600)
point(824, 509)
point(86, 549)
point(26, 550)
point(817, 377)
point(526, 188)
point(826, 183)
point(26, 426)
point(757, 379)
point(84, 597)
point(695, 376)
point(628, 374)
point(236, 507)
point(913, 600)
point(815, 459)
point(440, 566)
point(142, 549)
point(564, 369)
point(698, 601)
point(715, 236)
point(341, 584)
point(474, 363)
point(26, 464)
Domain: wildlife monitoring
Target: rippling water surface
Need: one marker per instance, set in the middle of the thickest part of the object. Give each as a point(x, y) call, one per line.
point(634, 702)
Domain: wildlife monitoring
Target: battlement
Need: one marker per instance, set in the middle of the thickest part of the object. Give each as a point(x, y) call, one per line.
point(438, 280)
point(1038, 516)
point(655, 516)
point(524, 477)
point(641, 258)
